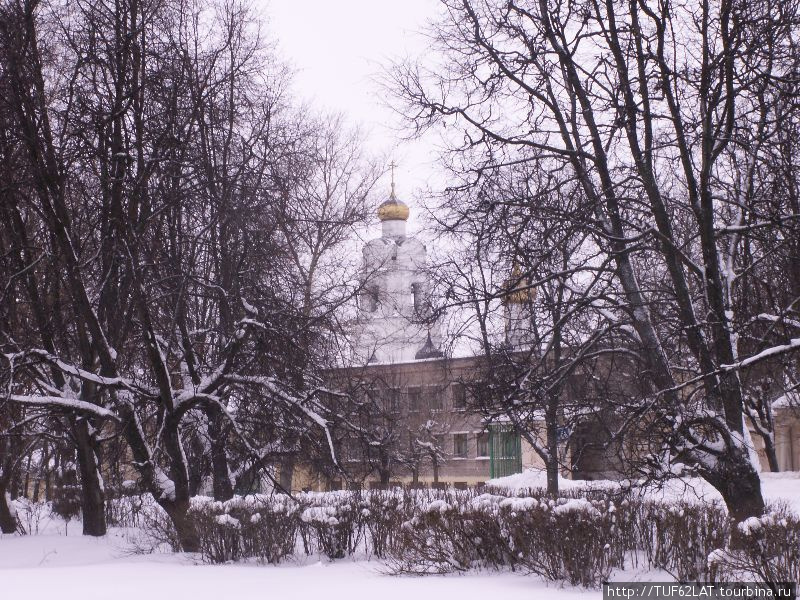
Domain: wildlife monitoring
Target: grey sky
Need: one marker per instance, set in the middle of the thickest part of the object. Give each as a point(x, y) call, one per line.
point(338, 47)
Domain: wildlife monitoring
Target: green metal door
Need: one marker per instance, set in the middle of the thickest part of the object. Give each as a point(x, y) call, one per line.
point(505, 450)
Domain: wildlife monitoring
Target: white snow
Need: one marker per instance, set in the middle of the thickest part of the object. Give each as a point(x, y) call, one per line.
point(776, 487)
point(228, 521)
point(576, 505)
point(789, 400)
point(75, 567)
point(793, 345)
point(519, 504)
point(750, 525)
point(84, 568)
point(439, 506)
point(165, 484)
point(66, 403)
point(534, 479)
point(320, 514)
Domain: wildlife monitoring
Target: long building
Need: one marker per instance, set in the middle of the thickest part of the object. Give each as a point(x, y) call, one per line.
point(420, 430)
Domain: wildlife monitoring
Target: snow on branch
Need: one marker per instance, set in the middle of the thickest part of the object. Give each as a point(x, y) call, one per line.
point(71, 404)
point(273, 386)
point(74, 371)
point(777, 319)
point(793, 345)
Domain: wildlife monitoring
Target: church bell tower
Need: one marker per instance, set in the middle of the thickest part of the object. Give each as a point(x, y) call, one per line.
point(395, 317)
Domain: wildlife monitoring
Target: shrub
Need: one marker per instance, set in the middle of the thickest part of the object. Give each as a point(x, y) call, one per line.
point(449, 532)
point(67, 501)
point(268, 527)
point(564, 539)
point(30, 514)
point(336, 521)
point(577, 538)
point(257, 526)
point(771, 553)
point(383, 513)
point(678, 537)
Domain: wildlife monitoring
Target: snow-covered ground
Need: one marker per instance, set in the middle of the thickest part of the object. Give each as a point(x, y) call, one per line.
point(73, 567)
point(776, 487)
point(79, 568)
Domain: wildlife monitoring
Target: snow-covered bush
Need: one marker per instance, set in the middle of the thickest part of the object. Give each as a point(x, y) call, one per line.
point(447, 532)
point(679, 536)
point(383, 512)
point(67, 501)
point(268, 528)
point(771, 552)
point(151, 529)
point(568, 539)
point(336, 521)
point(30, 514)
point(219, 532)
point(128, 510)
point(246, 527)
point(577, 538)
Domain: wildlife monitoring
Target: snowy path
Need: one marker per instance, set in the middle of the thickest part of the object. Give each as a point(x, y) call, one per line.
point(74, 567)
point(77, 568)
point(776, 487)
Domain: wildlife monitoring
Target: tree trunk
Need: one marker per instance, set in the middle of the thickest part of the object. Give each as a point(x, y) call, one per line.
point(385, 472)
point(551, 416)
point(177, 508)
point(772, 455)
point(223, 490)
point(93, 497)
point(178, 512)
point(287, 473)
point(8, 523)
point(740, 487)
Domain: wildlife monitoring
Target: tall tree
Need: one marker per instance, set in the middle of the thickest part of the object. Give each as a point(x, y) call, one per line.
point(149, 136)
point(638, 103)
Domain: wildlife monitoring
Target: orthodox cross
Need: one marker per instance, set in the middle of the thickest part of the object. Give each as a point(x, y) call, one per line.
point(392, 166)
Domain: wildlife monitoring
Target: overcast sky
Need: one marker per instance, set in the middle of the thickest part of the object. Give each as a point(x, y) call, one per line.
point(337, 48)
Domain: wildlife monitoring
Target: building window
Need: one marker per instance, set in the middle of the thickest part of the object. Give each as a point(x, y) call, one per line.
point(414, 395)
point(393, 400)
point(459, 396)
point(483, 445)
point(352, 451)
point(460, 445)
point(435, 400)
point(370, 298)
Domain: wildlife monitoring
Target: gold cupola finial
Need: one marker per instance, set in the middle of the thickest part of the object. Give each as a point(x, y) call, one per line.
point(393, 209)
point(518, 288)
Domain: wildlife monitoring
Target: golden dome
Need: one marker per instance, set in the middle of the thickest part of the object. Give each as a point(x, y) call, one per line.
point(393, 210)
point(518, 288)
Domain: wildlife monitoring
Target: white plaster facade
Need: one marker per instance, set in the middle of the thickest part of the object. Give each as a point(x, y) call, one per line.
point(394, 321)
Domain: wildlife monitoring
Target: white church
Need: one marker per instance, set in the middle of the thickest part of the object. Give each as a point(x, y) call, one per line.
point(399, 358)
point(395, 319)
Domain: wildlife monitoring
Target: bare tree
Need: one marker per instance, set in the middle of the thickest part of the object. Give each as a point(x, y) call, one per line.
point(146, 226)
point(534, 289)
point(324, 185)
point(638, 103)
point(389, 425)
